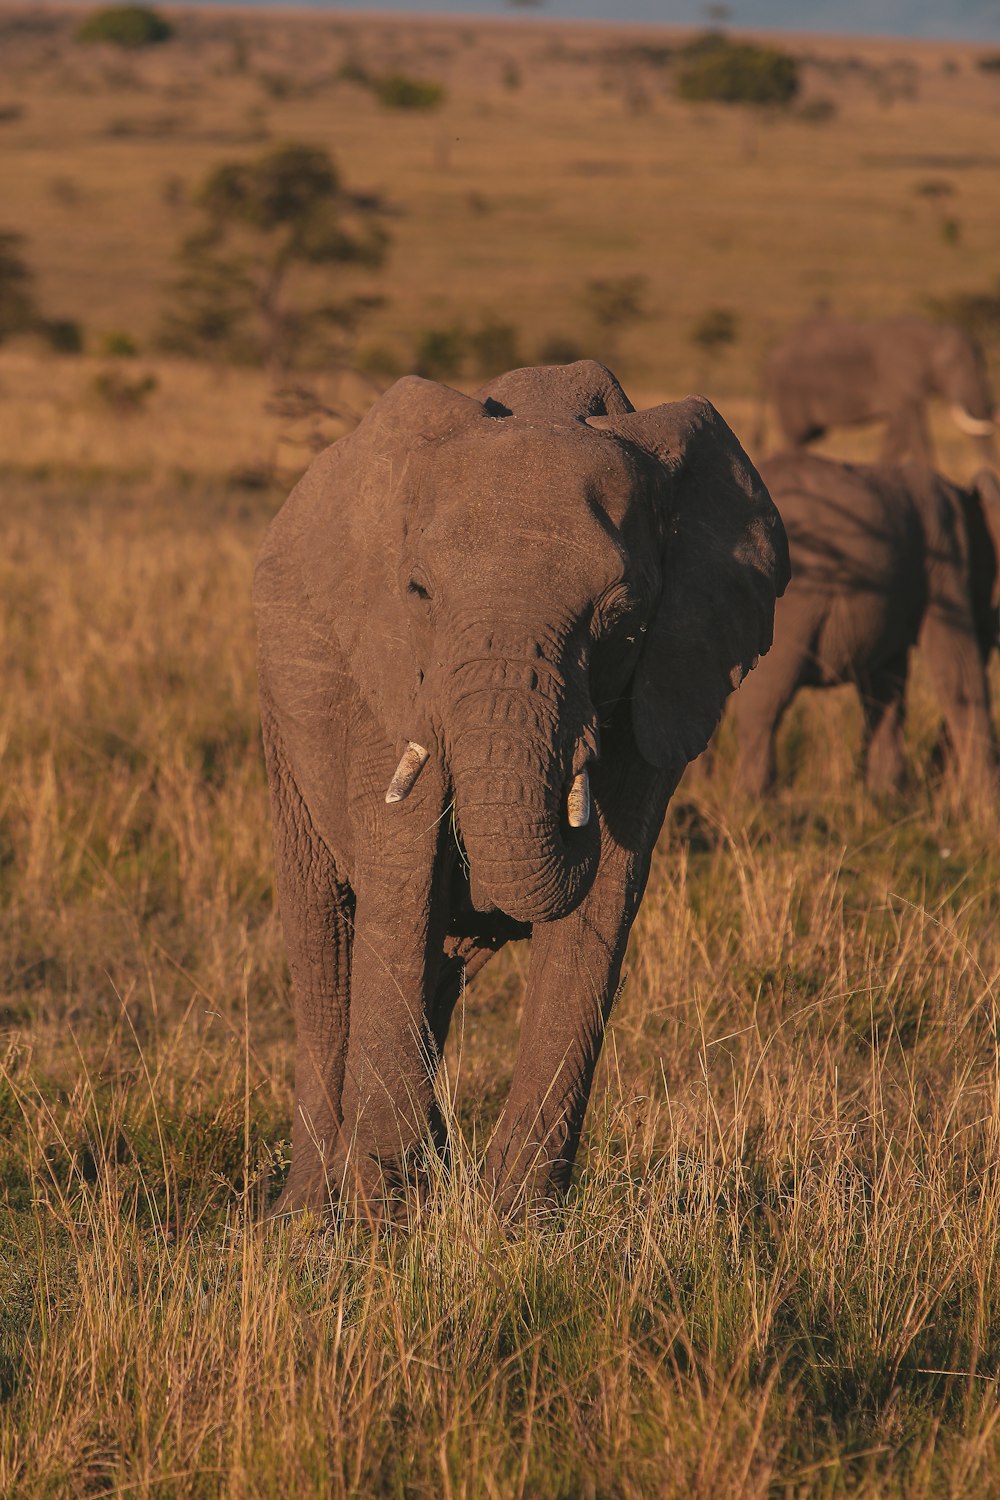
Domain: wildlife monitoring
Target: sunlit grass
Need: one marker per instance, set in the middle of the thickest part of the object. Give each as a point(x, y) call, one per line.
point(778, 1268)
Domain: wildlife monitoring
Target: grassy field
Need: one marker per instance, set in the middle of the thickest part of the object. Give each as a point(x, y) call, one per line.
point(778, 1272)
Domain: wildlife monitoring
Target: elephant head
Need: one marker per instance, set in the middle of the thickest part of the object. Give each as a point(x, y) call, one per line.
point(958, 371)
point(507, 575)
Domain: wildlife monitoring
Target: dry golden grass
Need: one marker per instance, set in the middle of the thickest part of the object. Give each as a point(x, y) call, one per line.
point(778, 1271)
point(779, 1268)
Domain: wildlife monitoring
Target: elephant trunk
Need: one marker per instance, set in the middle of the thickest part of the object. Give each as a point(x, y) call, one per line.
point(522, 796)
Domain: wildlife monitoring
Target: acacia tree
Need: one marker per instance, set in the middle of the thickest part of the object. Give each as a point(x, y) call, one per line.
point(262, 221)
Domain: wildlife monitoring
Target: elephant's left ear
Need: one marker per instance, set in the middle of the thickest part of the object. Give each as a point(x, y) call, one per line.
point(724, 563)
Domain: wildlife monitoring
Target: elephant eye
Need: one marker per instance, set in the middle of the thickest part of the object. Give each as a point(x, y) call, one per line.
point(418, 589)
point(617, 609)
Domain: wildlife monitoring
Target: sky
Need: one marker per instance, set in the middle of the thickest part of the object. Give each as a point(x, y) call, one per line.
point(966, 20)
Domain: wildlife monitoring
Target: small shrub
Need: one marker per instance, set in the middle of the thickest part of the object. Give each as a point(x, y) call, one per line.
point(934, 187)
point(277, 86)
point(651, 54)
point(951, 230)
point(172, 190)
point(989, 62)
point(118, 345)
point(64, 335)
point(560, 349)
point(717, 70)
point(128, 26)
point(18, 311)
point(817, 111)
point(978, 313)
point(440, 353)
point(397, 91)
point(353, 71)
point(494, 348)
point(122, 395)
point(65, 191)
point(716, 329)
point(11, 112)
point(380, 361)
point(614, 304)
point(511, 76)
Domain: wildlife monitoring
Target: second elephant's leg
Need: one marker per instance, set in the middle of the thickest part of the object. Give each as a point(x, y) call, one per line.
point(762, 699)
point(907, 435)
point(883, 697)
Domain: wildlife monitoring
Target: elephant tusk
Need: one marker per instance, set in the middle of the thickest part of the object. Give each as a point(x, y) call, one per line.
point(578, 801)
point(973, 426)
point(413, 760)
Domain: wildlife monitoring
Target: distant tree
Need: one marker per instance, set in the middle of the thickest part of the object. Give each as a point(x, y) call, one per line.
point(262, 221)
point(128, 26)
point(716, 70)
point(715, 329)
point(398, 91)
point(439, 353)
point(494, 347)
point(18, 309)
point(615, 303)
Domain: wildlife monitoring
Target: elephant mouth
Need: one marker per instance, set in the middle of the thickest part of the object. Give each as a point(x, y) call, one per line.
point(415, 757)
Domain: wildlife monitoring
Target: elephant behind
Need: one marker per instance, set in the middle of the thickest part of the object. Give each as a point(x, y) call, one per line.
point(884, 558)
point(829, 372)
point(492, 632)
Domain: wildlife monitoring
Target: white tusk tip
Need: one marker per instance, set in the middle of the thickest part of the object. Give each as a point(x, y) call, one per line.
point(578, 801)
point(412, 762)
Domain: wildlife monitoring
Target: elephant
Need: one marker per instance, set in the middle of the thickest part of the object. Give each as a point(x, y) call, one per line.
point(829, 372)
point(492, 632)
point(884, 558)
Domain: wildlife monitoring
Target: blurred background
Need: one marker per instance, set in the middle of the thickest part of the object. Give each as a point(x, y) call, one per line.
point(224, 229)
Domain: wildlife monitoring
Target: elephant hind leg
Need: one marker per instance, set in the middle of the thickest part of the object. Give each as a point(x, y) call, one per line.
point(317, 911)
point(761, 701)
point(883, 698)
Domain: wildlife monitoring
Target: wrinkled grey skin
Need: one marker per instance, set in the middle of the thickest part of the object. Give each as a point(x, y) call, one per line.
point(829, 372)
point(883, 559)
point(523, 582)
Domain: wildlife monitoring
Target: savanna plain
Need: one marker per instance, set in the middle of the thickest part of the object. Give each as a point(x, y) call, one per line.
point(778, 1271)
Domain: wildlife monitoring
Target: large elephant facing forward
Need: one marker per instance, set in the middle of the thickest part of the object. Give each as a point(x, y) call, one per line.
point(829, 372)
point(884, 558)
point(493, 630)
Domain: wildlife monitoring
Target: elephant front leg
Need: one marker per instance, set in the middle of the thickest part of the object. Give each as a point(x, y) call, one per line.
point(574, 976)
point(317, 907)
point(883, 697)
point(388, 1097)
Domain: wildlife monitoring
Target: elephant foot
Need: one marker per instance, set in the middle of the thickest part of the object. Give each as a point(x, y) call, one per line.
point(524, 1181)
point(305, 1192)
point(359, 1189)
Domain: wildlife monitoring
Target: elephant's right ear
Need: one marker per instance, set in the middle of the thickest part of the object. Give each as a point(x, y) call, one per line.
point(724, 561)
point(354, 507)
